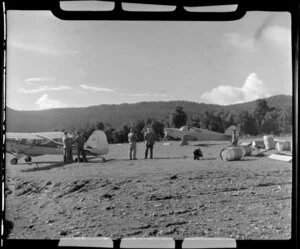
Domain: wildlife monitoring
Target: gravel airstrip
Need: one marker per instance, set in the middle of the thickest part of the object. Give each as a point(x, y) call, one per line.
point(169, 196)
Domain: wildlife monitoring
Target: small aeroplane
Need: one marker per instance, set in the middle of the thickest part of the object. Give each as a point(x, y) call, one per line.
point(50, 143)
point(198, 134)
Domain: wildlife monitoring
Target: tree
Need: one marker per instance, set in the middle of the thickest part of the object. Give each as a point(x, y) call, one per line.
point(117, 136)
point(166, 122)
point(109, 134)
point(148, 121)
point(247, 124)
point(178, 118)
point(121, 135)
point(158, 128)
point(195, 121)
point(271, 124)
point(285, 120)
point(260, 111)
point(229, 119)
point(216, 123)
point(88, 130)
point(138, 127)
point(125, 131)
point(205, 120)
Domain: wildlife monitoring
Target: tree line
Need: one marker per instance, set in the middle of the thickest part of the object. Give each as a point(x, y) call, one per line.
point(262, 120)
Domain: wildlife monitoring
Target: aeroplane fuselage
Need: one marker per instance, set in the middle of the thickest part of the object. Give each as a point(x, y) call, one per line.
point(192, 133)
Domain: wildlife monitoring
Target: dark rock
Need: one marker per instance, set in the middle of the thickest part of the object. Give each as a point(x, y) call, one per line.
point(107, 196)
point(109, 208)
point(115, 188)
point(183, 211)
point(63, 232)
point(176, 223)
point(153, 232)
point(144, 226)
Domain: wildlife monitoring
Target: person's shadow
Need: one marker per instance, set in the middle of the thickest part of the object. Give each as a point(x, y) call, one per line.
point(52, 165)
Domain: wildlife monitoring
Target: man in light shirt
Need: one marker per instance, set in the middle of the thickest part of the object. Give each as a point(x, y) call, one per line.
point(132, 144)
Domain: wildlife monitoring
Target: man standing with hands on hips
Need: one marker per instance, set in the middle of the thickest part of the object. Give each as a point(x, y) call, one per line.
point(150, 141)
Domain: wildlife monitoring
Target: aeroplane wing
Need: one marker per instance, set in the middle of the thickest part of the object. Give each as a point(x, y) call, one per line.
point(16, 135)
point(51, 136)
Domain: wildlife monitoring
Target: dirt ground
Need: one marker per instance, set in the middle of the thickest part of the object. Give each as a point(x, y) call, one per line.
point(169, 196)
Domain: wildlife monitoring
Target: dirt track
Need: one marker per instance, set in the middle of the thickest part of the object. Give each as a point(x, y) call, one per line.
point(169, 196)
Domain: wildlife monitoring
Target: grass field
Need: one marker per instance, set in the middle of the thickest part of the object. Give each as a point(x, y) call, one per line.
point(169, 196)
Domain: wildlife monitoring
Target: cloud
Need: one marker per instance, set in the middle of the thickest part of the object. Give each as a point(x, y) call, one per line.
point(240, 41)
point(145, 94)
point(45, 102)
point(45, 88)
point(252, 89)
point(38, 79)
point(95, 89)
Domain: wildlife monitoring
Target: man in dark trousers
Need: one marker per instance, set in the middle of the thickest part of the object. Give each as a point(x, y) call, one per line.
point(197, 154)
point(150, 141)
point(79, 139)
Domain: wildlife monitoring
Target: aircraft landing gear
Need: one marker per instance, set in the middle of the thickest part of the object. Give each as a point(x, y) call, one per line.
point(14, 161)
point(28, 159)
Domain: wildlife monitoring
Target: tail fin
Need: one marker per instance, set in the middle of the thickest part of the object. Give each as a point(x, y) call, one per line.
point(97, 143)
point(229, 130)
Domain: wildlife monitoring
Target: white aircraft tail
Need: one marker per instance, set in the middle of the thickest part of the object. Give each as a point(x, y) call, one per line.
point(229, 130)
point(97, 143)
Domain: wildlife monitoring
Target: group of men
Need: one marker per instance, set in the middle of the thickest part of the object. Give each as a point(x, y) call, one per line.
point(68, 147)
point(149, 139)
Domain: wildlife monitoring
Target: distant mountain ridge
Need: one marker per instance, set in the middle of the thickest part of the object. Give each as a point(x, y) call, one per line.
point(118, 115)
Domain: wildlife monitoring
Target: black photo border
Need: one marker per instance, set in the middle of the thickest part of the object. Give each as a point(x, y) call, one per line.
point(179, 14)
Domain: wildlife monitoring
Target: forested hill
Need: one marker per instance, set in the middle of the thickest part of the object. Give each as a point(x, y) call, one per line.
point(119, 115)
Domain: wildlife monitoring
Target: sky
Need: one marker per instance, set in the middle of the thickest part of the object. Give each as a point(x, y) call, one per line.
point(53, 63)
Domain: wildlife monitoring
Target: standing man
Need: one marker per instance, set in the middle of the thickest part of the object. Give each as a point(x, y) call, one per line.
point(132, 144)
point(67, 145)
point(150, 141)
point(64, 138)
point(79, 140)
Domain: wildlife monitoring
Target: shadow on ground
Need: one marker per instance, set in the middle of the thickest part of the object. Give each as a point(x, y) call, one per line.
point(48, 167)
point(204, 145)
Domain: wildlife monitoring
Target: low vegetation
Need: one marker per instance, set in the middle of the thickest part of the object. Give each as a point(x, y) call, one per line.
point(263, 116)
